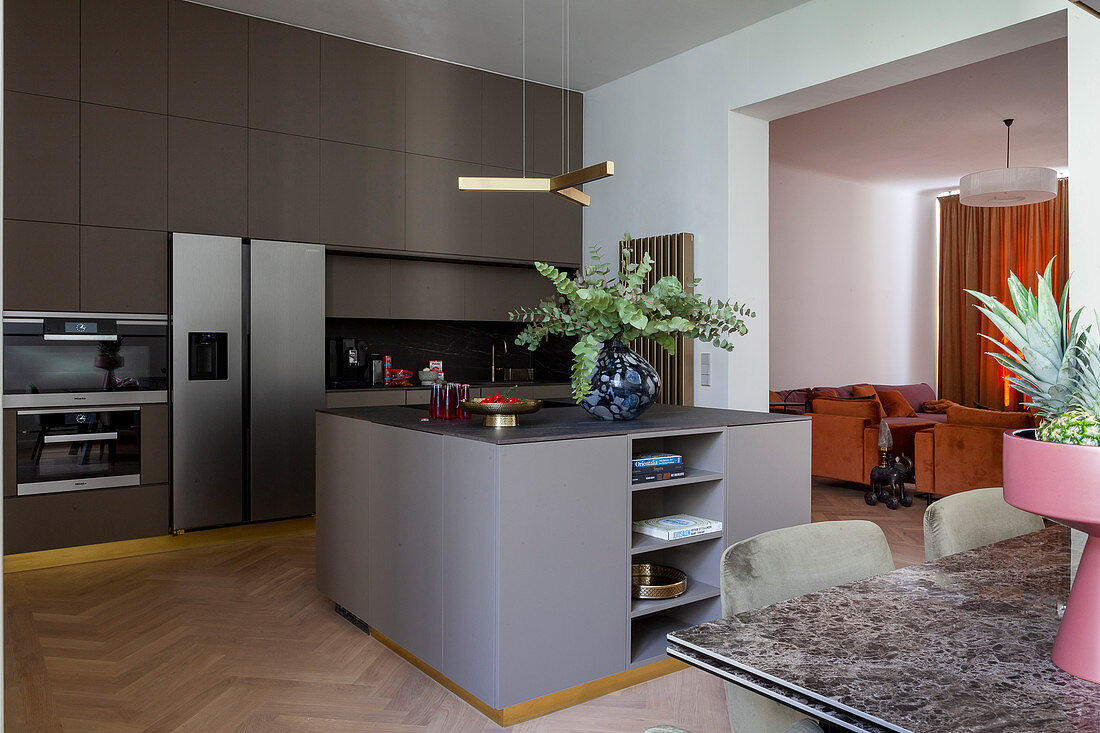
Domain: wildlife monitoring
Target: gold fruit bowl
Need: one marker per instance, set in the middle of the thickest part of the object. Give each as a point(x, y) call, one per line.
point(501, 414)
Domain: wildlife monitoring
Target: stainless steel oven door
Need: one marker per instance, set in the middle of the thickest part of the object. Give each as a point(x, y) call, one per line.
point(66, 450)
point(77, 360)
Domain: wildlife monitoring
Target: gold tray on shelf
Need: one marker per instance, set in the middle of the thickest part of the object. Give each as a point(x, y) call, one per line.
point(657, 581)
point(501, 414)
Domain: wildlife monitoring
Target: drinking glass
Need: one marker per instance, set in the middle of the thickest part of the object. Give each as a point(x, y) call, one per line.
point(435, 402)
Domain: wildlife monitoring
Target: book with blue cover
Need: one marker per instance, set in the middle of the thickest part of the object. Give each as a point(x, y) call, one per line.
point(654, 459)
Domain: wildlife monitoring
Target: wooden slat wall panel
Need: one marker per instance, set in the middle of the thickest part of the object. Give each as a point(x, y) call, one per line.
point(673, 254)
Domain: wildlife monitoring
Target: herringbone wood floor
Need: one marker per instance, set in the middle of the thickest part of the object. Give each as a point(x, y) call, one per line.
point(237, 638)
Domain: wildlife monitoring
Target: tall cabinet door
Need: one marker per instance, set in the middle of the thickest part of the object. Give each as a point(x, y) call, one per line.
point(287, 375)
point(207, 405)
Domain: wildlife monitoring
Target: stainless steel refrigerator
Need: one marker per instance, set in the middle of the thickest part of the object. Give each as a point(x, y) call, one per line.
point(248, 371)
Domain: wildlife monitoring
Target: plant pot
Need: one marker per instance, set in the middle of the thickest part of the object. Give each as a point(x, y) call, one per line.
point(1062, 482)
point(624, 385)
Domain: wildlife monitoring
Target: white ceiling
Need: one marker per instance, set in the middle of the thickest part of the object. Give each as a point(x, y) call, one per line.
point(607, 38)
point(927, 133)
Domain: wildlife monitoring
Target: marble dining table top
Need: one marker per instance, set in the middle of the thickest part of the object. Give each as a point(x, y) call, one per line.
point(957, 644)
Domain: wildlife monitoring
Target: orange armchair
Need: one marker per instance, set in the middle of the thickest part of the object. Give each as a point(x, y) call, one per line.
point(844, 442)
point(965, 452)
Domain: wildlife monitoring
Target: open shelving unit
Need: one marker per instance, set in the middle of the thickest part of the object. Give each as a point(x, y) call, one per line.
point(702, 493)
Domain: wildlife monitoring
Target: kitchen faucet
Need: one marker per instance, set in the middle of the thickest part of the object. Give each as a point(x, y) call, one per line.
point(493, 357)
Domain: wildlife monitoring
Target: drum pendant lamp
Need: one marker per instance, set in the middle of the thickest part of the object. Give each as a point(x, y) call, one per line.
point(1008, 186)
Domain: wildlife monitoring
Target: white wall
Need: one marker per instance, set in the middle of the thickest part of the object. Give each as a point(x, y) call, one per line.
point(853, 282)
point(668, 129)
point(1084, 159)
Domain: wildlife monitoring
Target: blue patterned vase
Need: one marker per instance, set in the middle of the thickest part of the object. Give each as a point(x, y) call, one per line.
point(624, 385)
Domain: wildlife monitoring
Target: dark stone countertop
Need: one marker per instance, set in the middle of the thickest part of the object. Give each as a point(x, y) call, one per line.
point(561, 423)
point(485, 383)
point(959, 644)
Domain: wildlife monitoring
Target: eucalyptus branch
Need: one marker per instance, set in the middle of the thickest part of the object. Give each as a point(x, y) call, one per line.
point(597, 306)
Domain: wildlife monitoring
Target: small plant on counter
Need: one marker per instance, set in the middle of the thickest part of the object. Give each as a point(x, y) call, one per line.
point(1055, 361)
point(599, 306)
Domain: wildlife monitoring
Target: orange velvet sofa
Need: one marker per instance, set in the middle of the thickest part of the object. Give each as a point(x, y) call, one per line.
point(965, 452)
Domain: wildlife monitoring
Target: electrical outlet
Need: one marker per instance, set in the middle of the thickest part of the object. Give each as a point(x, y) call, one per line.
point(704, 369)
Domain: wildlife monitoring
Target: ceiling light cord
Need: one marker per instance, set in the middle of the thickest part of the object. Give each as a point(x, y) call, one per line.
point(523, 85)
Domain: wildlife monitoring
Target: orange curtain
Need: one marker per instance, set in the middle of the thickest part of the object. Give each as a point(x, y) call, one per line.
point(978, 249)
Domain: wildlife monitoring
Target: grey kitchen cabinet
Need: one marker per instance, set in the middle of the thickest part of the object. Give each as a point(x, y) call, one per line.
point(362, 196)
point(357, 287)
point(768, 477)
point(207, 177)
point(491, 292)
point(124, 53)
point(364, 398)
point(123, 270)
point(207, 63)
point(418, 396)
point(506, 220)
point(123, 168)
point(362, 94)
point(41, 158)
point(284, 88)
point(41, 266)
point(154, 444)
point(283, 177)
point(441, 218)
point(11, 477)
point(545, 391)
point(427, 290)
point(502, 139)
point(73, 518)
point(42, 47)
point(442, 109)
point(556, 235)
point(405, 539)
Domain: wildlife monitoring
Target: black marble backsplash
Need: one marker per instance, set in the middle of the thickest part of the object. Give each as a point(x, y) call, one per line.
point(464, 346)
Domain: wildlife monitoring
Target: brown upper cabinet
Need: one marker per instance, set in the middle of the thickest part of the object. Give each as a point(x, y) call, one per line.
point(41, 266)
point(502, 122)
point(441, 218)
point(357, 287)
point(547, 107)
point(427, 290)
point(506, 220)
point(493, 292)
point(207, 177)
point(41, 158)
point(362, 94)
point(42, 47)
point(207, 63)
point(362, 196)
point(284, 88)
point(123, 271)
point(557, 231)
point(442, 109)
point(124, 53)
point(283, 183)
point(123, 168)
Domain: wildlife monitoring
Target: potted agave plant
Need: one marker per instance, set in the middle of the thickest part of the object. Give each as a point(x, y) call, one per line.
point(1054, 470)
point(605, 311)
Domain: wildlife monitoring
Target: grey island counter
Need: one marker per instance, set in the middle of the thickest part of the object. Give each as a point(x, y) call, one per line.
point(498, 559)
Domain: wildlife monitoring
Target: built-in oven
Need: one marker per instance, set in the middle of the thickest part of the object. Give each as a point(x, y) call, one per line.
point(60, 449)
point(84, 359)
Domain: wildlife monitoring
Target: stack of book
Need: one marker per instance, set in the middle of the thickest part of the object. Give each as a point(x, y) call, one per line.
point(676, 527)
point(646, 467)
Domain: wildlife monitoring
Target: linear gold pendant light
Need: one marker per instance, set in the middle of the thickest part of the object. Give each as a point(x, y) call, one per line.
point(564, 185)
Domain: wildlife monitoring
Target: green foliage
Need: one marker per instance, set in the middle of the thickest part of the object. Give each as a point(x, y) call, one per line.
point(1055, 362)
point(599, 305)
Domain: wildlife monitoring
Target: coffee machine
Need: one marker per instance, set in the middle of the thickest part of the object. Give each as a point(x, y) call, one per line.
point(348, 362)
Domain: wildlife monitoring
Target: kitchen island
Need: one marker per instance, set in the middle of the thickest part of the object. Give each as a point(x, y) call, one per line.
point(498, 559)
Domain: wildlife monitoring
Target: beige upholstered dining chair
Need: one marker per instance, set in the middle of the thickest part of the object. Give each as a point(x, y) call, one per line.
point(782, 564)
point(971, 519)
